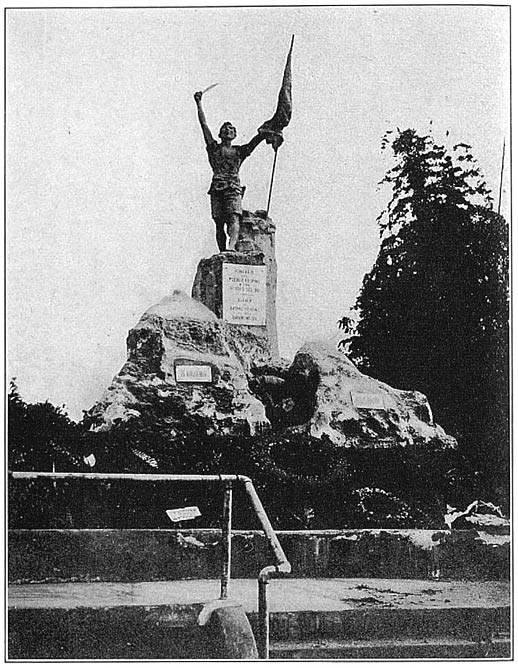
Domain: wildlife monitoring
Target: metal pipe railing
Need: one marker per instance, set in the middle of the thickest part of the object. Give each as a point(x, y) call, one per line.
point(226, 540)
point(282, 567)
point(157, 477)
point(278, 570)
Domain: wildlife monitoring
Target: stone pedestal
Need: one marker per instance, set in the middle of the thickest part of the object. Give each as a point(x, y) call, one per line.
point(240, 288)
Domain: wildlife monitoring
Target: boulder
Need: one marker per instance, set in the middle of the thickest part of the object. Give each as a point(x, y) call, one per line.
point(481, 516)
point(179, 331)
point(324, 395)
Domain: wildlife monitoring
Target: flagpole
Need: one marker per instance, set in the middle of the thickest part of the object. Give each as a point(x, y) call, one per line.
point(501, 178)
point(271, 182)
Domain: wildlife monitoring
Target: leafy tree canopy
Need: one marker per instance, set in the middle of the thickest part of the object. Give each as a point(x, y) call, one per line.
point(41, 436)
point(432, 314)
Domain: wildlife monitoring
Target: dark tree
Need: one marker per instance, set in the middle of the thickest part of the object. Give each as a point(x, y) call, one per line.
point(433, 311)
point(41, 436)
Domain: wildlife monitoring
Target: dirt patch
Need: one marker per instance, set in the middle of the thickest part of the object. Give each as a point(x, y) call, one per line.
point(368, 601)
point(385, 591)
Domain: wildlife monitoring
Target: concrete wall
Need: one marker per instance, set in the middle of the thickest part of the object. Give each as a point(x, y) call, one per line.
point(145, 555)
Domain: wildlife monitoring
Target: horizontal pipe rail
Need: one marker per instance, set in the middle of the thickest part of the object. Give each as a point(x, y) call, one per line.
point(166, 477)
point(282, 567)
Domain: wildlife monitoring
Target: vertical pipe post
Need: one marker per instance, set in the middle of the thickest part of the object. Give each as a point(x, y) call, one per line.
point(263, 648)
point(226, 540)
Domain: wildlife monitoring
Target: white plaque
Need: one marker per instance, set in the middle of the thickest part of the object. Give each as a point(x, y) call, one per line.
point(368, 400)
point(244, 294)
point(181, 514)
point(193, 373)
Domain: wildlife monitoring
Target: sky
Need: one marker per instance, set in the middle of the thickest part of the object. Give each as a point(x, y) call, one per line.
point(107, 174)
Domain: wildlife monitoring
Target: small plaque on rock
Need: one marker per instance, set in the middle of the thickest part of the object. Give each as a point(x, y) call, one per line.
point(368, 400)
point(244, 294)
point(193, 373)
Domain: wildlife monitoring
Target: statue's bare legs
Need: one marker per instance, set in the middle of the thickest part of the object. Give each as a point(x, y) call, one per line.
point(221, 237)
point(232, 225)
point(232, 231)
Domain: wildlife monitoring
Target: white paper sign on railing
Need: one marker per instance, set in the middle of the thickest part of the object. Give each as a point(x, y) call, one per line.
point(181, 514)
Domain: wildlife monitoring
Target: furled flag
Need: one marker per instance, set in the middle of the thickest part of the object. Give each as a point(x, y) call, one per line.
point(282, 115)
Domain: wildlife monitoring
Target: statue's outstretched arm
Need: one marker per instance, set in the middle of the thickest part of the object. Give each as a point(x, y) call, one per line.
point(262, 134)
point(253, 143)
point(271, 137)
point(207, 135)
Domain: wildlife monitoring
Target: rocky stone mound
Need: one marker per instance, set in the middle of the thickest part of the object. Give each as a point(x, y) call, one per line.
point(321, 394)
point(324, 395)
point(181, 332)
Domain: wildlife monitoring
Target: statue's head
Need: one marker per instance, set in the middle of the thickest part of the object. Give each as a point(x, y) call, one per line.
point(227, 131)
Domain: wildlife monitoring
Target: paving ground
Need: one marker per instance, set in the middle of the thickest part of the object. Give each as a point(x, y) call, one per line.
point(284, 595)
point(357, 618)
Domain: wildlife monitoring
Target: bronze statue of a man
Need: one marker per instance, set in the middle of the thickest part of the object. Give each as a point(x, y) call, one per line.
point(225, 190)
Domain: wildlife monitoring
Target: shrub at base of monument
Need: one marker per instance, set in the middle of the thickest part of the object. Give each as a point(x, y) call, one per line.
point(304, 482)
